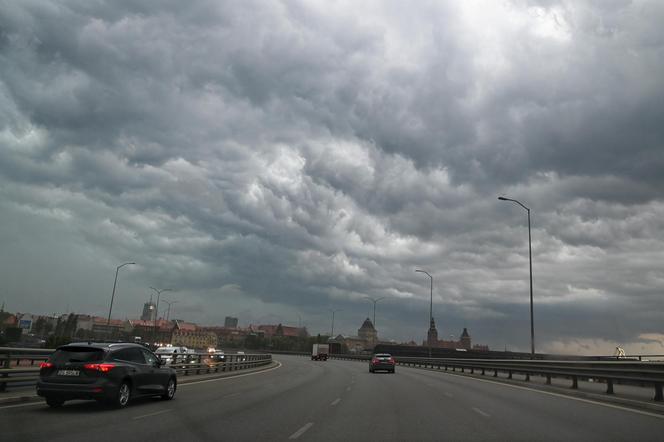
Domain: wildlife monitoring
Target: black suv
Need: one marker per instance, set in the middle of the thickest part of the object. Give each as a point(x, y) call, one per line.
point(112, 373)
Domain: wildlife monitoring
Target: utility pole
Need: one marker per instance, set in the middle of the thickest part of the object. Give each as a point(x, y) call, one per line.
point(530, 262)
point(375, 301)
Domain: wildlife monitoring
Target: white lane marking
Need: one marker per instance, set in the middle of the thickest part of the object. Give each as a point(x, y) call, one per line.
point(587, 401)
point(449, 395)
point(478, 411)
point(230, 377)
point(31, 404)
point(336, 401)
point(301, 431)
point(151, 414)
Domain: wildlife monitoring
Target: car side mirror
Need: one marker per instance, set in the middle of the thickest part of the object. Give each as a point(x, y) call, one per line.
point(159, 362)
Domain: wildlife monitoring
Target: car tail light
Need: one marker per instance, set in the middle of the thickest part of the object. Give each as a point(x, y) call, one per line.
point(104, 368)
point(375, 361)
point(46, 365)
point(392, 361)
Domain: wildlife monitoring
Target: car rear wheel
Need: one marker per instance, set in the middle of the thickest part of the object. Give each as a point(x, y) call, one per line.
point(54, 402)
point(170, 390)
point(122, 396)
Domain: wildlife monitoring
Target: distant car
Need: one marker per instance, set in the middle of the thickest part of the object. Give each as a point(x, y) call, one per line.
point(174, 355)
point(214, 358)
point(241, 357)
point(382, 361)
point(111, 373)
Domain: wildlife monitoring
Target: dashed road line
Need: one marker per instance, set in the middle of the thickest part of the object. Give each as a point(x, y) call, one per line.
point(478, 411)
point(301, 431)
point(336, 401)
point(151, 414)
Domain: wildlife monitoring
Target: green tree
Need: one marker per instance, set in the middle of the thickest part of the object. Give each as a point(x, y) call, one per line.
point(38, 327)
point(13, 334)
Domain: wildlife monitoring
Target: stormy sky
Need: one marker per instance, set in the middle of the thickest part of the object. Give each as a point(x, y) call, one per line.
point(275, 160)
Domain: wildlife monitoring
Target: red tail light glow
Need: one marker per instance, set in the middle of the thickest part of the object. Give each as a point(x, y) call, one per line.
point(375, 361)
point(46, 365)
point(392, 361)
point(104, 368)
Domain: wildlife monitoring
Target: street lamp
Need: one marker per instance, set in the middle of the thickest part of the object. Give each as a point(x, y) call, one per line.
point(530, 259)
point(115, 283)
point(156, 308)
point(333, 312)
point(430, 305)
point(375, 301)
point(168, 313)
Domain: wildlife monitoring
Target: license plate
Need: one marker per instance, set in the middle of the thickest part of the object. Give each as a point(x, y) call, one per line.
point(68, 372)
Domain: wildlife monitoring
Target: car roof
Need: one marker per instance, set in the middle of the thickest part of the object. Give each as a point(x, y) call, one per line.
point(382, 354)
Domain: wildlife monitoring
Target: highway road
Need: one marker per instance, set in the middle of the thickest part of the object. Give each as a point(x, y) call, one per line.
point(336, 400)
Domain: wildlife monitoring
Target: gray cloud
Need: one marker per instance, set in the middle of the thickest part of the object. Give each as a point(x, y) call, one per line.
point(279, 159)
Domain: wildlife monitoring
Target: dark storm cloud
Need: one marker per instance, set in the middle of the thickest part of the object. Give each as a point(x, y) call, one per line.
point(280, 159)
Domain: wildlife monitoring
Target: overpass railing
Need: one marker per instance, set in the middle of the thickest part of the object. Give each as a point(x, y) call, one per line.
point(20, 366)
point(610, 372)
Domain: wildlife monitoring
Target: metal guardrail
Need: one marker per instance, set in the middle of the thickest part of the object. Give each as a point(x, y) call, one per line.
point(610, 372)
point(21, 365)
point(203, 363)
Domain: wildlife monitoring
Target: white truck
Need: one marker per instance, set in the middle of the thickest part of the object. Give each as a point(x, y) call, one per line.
point(320, 352)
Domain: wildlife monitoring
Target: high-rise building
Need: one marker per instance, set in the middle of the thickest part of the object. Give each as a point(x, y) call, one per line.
point(230, 322)
point(149, 311)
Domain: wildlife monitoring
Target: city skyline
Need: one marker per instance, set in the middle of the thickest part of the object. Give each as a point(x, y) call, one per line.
point(278, 162)
point(227, 319)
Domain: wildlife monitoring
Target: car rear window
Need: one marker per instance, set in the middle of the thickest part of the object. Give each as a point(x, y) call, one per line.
point(77, 354)
point(129, 354)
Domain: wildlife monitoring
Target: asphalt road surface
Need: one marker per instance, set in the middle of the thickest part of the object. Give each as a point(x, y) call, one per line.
point(336, 400)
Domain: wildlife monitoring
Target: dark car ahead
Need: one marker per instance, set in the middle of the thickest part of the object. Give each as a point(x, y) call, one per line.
point(382, 361)
point(111, 373)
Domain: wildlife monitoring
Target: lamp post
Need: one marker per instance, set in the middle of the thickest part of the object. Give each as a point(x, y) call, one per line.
point(115, 283)
point(375, 301)
point(156, 308)
point(332, 331)
point(530, 259)
point(430, 305)
point(168, 312)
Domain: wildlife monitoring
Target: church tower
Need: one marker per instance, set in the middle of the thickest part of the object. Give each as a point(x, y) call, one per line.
point(464, 340)
point(432, 334)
